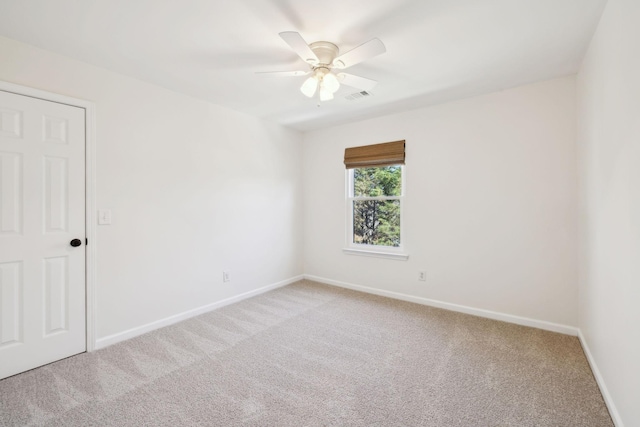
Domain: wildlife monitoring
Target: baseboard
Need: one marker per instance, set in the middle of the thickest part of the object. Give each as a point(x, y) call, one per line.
point(524, 321)
point(134, 332)
point(615, 416)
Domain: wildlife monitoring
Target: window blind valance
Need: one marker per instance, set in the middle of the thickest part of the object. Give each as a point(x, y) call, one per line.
point(385, 154)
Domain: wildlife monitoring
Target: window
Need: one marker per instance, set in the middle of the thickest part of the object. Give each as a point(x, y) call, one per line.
point(375, 198)
point(375, 192)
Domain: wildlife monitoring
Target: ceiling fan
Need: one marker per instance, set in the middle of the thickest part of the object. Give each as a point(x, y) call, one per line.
point(322, 58)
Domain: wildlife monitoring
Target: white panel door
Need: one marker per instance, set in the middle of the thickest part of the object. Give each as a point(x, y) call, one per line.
point(42, 209)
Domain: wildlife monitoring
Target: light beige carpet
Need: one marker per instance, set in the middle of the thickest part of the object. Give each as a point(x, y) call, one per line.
point(314, 355)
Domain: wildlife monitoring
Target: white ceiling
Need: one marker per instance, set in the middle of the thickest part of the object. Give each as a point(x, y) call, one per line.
point(437, 50)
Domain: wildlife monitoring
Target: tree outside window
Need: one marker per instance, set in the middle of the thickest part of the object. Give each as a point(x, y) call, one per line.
point(375, 195)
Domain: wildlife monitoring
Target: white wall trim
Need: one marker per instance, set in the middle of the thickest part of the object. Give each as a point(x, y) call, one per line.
point(90, 191)
point(524, 321)
point(91, 219)
point(134, 332)
point(613, 411)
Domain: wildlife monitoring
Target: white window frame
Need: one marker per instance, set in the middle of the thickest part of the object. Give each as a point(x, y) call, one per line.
point(390, 252)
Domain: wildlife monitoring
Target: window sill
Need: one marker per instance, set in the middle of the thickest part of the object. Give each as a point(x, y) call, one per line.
point(377, 254)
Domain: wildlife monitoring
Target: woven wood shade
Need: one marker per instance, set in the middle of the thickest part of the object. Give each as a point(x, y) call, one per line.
point(386, 154)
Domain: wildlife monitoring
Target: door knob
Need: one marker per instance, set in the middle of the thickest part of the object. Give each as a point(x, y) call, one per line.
point(75, 242)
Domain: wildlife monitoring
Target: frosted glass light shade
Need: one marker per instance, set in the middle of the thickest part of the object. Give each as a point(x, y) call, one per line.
point(330, 82)
point(325, 94)
point(309, 86)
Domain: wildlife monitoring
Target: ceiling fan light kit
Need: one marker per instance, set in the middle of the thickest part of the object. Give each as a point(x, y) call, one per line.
point(322, 57)
point(309, 86)
point(325, 80)
point(325, 94)
point(330, 81)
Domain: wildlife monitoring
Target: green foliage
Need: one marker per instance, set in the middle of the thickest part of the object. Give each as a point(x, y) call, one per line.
point(375, 182)
point(377, 222)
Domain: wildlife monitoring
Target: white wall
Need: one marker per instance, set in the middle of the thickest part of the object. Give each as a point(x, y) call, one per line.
point(194, 189)
point(491, 203)
point(609, 149)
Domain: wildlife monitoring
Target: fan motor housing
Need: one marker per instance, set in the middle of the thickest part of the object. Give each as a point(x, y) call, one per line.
point(325, 51)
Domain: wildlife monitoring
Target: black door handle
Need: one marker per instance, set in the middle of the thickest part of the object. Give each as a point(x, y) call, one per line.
point(75, 242)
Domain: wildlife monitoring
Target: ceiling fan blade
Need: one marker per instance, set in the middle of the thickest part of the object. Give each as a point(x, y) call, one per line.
point(356, 81)
point(373, 47)
point(299, 46)
point(283, 73)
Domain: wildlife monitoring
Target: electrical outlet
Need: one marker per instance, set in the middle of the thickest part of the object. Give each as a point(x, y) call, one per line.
point(225, 276)
point(422, 276)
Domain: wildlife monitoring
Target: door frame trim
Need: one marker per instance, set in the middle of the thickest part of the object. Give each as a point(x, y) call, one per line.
point(90, 193)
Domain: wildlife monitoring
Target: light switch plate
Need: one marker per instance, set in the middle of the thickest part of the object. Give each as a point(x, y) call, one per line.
point(104, 216)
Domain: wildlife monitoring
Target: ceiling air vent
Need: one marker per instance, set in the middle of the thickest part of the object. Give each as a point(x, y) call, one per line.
point(357, 95)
